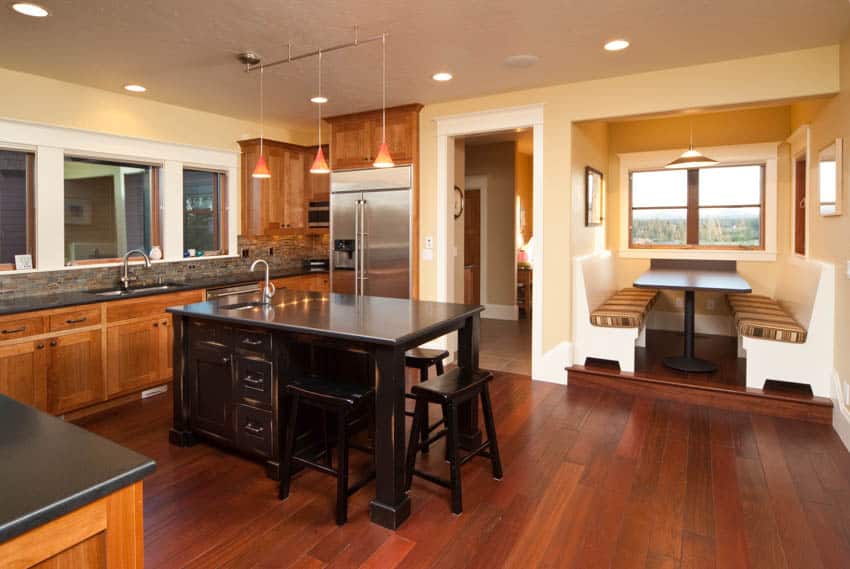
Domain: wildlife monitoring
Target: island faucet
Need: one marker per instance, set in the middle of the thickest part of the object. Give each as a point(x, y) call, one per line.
point(125, 277)
point(268, 287)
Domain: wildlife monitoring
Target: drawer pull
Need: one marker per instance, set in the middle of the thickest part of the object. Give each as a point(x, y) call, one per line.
point(15, 330)
point(254, 429)
point(251, 342)
point(54, 343)
point(76, 320)
point(255, 381)
point(39, 346)
point(226, 360)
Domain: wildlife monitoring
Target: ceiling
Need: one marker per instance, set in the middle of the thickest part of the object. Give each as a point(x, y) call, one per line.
point(184, 51)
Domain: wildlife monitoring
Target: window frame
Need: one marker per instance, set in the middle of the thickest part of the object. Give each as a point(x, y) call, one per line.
point(692, 209)
point(221, 205)
point(30, 207)
point(155, 203)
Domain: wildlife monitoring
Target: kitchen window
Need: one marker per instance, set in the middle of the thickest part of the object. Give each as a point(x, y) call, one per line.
point(17, 224)
point(110, 208)
point(203, 212)
point(720, 207)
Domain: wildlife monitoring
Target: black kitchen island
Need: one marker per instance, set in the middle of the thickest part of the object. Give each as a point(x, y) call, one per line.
point(232, 357)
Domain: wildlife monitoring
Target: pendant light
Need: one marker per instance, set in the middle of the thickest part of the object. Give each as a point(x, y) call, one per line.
point(691, 158)
point(320, 165)
point(383, 160)
point(261, 170)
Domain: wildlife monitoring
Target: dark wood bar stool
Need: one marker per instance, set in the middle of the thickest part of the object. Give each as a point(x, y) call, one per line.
point(450, 390)
point(335, 398)
point(422, 359)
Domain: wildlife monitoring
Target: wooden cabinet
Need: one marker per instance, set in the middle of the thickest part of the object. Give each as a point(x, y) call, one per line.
point(276, 205)
point(317, 186)
point(74, 371)
point(355, 139)
point(319, 282)
point(135, 355)
point(23, 373)
point(211, 378)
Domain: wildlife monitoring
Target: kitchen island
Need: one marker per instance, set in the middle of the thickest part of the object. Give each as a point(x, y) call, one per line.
point(67, 495)
point(233, 356)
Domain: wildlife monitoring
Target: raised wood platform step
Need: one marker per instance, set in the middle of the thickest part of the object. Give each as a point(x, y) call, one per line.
point(694, 392)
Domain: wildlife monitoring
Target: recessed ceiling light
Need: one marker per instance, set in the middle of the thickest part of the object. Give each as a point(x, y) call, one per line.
point(319, 99)
point(616, 45)
point(135, 88)
point(442, 76)
point(28, 9)
point(521, 60)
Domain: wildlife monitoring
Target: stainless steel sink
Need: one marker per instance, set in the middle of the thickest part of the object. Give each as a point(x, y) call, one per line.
point(244, 305)
point(132, 291)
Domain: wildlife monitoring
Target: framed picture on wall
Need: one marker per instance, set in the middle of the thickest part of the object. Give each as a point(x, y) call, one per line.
point(78, 211)
point(594, 197)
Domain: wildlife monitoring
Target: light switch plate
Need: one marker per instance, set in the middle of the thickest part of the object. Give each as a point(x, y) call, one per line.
point(428, 255)
point(429, 242)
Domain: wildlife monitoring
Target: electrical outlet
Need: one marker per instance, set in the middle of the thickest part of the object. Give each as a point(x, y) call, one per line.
point(246, 253)
point(710, 304)
point(848, 269)
point(271, 251)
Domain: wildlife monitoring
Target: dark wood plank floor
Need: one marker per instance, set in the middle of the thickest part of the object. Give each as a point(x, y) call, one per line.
point(592, 479)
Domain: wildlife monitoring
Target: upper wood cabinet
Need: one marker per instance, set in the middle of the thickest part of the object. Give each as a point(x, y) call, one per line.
point(355, 138)
point(317, 186)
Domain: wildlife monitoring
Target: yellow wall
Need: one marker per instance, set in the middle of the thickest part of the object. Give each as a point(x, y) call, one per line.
point(41, 100)
point(590, 148)
point(523, 180)
point(773, 77)
point(746, 126)
point(830, 236)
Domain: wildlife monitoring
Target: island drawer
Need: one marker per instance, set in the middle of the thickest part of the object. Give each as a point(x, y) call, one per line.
point(254, 380)
point(254, 432)
point(209, 334)
point(254, 341)
point(79, 318)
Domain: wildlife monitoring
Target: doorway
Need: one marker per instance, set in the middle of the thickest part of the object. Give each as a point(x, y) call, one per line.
point(472, 247)
point(800, 173)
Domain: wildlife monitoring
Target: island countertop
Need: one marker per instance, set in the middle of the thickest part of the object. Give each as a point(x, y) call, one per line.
point(49, 468)
point(375, 319)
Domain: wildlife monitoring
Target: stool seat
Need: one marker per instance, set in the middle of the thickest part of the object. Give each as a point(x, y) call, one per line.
point(424, 357)
point(453, 384)
point(330, 391)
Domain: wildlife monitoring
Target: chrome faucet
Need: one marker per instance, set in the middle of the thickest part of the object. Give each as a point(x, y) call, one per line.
point(268, 288)
point(125, 277)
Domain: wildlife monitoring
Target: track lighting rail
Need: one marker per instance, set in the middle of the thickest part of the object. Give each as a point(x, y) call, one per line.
point(291, 58)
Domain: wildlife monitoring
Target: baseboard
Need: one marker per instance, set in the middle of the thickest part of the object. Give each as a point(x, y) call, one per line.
point(840, 414)
point(501, 311)
point(551, 365)
point(717, 324)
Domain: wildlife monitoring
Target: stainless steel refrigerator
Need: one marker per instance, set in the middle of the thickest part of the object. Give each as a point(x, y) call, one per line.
point(371, 231)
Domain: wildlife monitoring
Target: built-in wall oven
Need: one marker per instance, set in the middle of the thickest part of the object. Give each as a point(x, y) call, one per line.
point(319, 214)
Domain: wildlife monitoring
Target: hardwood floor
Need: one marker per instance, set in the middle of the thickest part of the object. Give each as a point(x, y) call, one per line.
point(592, 479)
point(506, 345)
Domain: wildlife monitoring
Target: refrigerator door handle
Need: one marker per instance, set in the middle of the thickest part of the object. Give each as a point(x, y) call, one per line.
point(364, 274)
point(357, 248)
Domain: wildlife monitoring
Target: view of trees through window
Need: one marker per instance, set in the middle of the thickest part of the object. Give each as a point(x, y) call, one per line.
point(202, 210)
point(719, 206)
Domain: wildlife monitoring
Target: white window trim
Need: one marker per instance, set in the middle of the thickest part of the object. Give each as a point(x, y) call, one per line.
point(52, 143)
point(766, 153)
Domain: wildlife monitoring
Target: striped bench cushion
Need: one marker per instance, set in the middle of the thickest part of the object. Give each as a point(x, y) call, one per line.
point(758, 316)
point(625, 309)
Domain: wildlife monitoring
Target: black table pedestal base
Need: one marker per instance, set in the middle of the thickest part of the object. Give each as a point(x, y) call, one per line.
point(689, 365)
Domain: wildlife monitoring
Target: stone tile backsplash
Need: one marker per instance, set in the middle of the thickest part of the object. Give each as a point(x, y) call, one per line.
point(289, 252)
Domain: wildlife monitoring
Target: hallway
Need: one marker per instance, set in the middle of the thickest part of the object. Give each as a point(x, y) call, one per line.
point(506, 345)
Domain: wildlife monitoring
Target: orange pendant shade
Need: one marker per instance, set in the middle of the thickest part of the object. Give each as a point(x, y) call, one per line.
point(383, 160)
point(261, 170)
point(320, 165)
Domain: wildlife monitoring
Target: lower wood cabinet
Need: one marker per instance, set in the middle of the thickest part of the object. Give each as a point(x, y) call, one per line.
point(134, 355)
point(23, 373)
point(74, 371)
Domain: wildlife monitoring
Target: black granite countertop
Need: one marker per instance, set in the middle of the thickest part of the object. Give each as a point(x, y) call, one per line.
point(49, 468)
point(371, 319)
point(61, 300)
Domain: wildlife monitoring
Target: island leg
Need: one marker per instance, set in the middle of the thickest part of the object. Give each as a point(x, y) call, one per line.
point(391, 505)
point(180, 433)
point(469, 340)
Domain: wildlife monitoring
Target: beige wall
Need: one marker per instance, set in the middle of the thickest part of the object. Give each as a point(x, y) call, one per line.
point(745, 126)
point(523, 184)
point(590, 148)
point(41, 100)
point(496, 162)
point(830, 236)
point(774, 77)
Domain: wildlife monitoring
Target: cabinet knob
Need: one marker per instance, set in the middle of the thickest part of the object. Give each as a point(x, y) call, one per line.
point(156, 324)
point(39, 346)
point(54, 343)
point(225, 360)
point(165, 322)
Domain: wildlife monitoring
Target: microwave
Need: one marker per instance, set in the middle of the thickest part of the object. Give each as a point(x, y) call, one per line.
point(319, 214)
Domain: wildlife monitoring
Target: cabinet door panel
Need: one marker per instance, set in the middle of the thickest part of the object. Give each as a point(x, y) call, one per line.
point(23, 370)
point(294, 214)
point(401, 133)
point(74, 372)
point(134, 355)
point(351, 142)
point(211, 381)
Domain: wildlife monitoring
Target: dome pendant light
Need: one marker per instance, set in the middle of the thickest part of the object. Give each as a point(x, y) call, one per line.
point(320, 165)
point(384, 159)
point(261, 170)
point(691, 158)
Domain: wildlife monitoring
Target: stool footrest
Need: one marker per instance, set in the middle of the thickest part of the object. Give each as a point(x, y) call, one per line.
point(367, 479)
point(317, 465)
point(476, 452)
point(431, 478)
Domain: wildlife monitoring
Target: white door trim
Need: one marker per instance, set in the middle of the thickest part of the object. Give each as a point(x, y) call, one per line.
point(476, 123)
point(480, 183)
